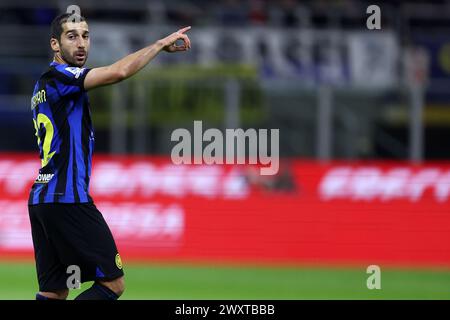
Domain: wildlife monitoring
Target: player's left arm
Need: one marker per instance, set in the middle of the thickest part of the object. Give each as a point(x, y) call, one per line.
point(131, 64)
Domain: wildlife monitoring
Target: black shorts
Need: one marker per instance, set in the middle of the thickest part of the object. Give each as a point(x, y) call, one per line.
point(72, 234)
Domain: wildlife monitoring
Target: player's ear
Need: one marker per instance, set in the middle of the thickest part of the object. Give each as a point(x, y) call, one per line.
point(54, 44)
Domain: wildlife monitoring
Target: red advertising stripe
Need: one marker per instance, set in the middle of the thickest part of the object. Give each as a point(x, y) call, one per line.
point(359, 213)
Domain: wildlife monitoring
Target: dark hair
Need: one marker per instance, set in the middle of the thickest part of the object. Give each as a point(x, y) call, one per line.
point(56, 26)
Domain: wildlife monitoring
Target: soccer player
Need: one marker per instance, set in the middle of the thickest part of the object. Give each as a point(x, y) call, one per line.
point(67, 228)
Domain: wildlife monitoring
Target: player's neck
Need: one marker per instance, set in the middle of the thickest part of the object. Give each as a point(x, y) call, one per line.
point(57, 58)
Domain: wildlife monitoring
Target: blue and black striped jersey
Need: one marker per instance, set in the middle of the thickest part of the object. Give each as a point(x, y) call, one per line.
point(65, 136)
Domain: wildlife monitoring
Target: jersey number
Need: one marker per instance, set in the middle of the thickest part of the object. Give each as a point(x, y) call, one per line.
point(43, 119)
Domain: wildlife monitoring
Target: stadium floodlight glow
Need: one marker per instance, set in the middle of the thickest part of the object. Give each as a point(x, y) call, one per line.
point(235, 139)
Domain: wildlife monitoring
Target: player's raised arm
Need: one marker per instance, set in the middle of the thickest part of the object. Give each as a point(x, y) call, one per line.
point(131, 64)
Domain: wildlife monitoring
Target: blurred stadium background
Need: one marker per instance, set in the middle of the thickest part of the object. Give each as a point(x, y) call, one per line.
point(364, 120)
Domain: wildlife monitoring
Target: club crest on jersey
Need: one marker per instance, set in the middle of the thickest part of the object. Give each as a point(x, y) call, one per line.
point(118, 261)
point(76, 71)
point(44, 177)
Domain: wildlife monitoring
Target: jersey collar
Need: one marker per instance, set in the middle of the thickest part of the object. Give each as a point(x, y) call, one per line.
point(54, 63)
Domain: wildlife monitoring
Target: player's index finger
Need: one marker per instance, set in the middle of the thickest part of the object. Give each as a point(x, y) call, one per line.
point(182, 30)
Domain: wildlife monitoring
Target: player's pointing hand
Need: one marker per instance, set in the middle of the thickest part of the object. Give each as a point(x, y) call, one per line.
point(169, 42)
point(183, 30)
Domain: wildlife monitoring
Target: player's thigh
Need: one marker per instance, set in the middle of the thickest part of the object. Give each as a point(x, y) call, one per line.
point(86, 240)
point(51, 273)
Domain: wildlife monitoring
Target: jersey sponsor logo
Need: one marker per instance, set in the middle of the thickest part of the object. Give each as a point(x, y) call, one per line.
point(118, 261)
point(38, 98)
point(75, 71)
point(44, 177)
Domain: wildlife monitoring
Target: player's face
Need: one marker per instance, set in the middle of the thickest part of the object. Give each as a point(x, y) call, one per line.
point(75, 42)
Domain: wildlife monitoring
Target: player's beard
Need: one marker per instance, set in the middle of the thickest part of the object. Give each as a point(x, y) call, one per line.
point(72, 59)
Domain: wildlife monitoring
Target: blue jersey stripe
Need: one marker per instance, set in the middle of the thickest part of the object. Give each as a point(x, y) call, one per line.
point(76, 125)
point(36, 195)
point(69, 175)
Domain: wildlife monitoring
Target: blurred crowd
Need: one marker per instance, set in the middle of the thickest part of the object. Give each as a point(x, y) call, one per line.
point(281, 13)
